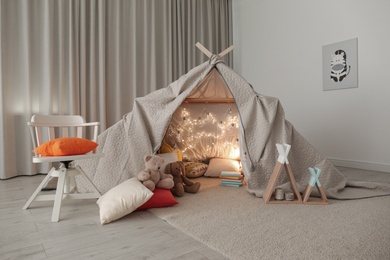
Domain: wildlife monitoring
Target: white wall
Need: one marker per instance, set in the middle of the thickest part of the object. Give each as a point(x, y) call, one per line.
point(278, 49)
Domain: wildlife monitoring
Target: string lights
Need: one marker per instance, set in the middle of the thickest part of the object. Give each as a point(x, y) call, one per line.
point(212, 132)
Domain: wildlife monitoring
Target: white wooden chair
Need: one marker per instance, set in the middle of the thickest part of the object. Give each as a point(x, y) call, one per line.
point(46, 128)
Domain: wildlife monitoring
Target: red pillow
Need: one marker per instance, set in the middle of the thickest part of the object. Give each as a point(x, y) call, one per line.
point(66, 146)
point(160, 198)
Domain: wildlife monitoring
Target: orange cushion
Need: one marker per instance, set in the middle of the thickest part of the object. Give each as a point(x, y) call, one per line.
point(160, 198)
point(66, 146)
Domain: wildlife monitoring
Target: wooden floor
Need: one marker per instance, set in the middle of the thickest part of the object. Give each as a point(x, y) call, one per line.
point(29, 234)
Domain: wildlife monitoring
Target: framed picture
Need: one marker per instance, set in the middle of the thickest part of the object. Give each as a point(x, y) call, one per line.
point(340, 65)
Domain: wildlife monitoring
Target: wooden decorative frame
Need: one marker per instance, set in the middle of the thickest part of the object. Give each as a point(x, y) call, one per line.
point(268, 196)
point(314, 181)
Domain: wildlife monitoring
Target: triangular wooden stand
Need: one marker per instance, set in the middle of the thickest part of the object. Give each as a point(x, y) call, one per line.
point(315, 173)
point(268, 196)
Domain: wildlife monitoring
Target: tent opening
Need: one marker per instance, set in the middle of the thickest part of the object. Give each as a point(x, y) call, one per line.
point(206, 124)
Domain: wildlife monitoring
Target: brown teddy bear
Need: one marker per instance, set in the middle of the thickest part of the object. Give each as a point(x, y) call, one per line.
point(152, 177)
point(181, 183)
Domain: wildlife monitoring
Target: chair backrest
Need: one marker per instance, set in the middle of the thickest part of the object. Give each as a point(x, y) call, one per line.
point(44, 128)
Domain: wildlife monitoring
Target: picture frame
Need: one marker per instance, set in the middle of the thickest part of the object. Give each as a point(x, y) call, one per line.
point(340, 65)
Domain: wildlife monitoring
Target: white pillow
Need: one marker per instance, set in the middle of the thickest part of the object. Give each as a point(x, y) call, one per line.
point(122, 200)
point(168, 158)
point(217, 165)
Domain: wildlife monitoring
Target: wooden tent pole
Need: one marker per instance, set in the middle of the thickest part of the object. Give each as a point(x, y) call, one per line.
point(208, 53)
point(226, 51)
point(203, 49)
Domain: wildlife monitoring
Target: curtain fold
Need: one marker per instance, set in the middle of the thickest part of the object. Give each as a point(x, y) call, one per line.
point(93, 58)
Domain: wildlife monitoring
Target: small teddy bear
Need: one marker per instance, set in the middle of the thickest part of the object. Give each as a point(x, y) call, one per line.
point(181, 183)
point(152, 177)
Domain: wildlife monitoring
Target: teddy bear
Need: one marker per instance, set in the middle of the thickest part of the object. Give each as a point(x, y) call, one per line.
point(152, 177)
point(181, 183)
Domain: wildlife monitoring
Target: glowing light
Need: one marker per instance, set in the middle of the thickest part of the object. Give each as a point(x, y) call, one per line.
point(213, 135)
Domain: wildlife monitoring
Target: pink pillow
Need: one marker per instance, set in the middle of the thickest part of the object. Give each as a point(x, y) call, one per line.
point(160, 198)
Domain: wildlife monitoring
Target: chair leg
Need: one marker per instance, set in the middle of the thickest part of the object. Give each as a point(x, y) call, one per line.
point(96, 191)
point(72, 184)
point(40, 187)
point(65, 186)
point(59, 195)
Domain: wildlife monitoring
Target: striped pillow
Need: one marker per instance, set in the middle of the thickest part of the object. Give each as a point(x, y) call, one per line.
point(195, 169)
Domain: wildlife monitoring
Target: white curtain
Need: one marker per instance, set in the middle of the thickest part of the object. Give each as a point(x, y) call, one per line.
point(94, 57)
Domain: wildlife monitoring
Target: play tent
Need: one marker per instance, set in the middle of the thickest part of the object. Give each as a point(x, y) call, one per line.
point(261, 125)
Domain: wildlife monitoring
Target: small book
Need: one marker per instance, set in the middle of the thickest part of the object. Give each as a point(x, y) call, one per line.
point(231, 184)
point(231, 181)
point(231, 177)
point(231, 174)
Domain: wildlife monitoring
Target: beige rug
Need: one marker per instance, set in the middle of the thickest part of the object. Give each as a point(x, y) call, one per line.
point(242, 226)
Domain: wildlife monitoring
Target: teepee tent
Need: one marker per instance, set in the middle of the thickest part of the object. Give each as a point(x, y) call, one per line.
point(261, 125)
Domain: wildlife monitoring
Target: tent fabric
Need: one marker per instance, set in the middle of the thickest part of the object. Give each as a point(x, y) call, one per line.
point(262, 125)
point(211, 88)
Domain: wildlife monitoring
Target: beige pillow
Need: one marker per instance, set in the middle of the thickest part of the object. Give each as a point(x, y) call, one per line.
point(166, 148)
point(168, 158)
point(122, 200)
point(217, 165)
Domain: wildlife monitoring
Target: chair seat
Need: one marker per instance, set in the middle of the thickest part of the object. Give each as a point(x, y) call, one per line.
point(43, 159)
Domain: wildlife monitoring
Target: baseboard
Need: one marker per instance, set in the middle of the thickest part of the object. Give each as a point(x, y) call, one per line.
point(361, 165)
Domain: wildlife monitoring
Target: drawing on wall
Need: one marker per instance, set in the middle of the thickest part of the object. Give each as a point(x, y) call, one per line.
point(339, 65)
